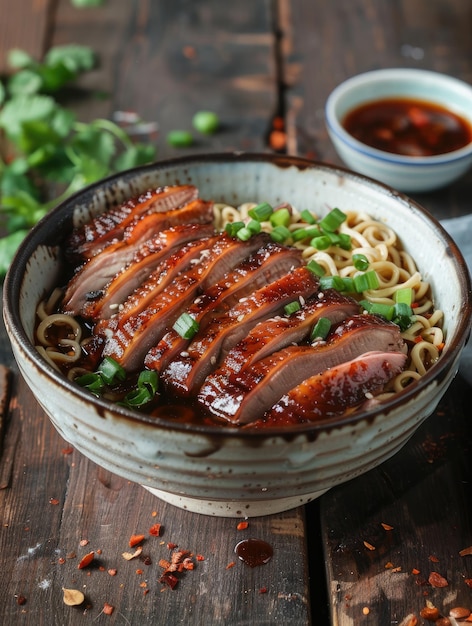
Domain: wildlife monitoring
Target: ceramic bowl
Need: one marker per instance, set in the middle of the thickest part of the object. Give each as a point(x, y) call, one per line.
point(229, 472)
point(406, 173)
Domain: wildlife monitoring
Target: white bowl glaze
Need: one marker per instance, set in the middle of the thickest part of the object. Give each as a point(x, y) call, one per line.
point(409, 174)
point(229, 472)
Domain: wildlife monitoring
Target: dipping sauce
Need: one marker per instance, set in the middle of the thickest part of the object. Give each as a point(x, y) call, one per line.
point(409, 127)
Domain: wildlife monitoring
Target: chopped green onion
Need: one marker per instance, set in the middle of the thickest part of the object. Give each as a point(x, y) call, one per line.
point(308, 217)
point(360, 262)
point(92, 381)
point(261, 212)
point(280, 234)
point(368, 280)
point(292, 307)
point(321, 329)
point(186, 326)
point(149, 379)
point(280, 217)
point(206, 122)
point(345, 241)
point(316, 268)
point(349, 286)
point(179, 138)
point(244, 234)
point(403, 310)
point(305, 233)
point(384, 310)
point(145, 390)
point(321, 243)
point(111, 371)
point(332, 282)
point(333, 220)
point(254, 226)
point(232, 228)
point(404, 295)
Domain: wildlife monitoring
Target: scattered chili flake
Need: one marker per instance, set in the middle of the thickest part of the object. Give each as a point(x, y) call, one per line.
point(466, 551)
point(468, 582)
point(143, 585)
point(369, 546)
point(200, 557)
point(99, 551)
point(171, 546)
point(263, 590)
point(277, 139)
point(145, 592)
point(169, 579)
point(20, 600)
point(112, 571)
point(132, 555)
point(61, 560)
point(134, 540)
point(68, 450)
point(155, 530)
point(365, 610)
point(242, 525)
point(430, 613)
point(101, 568)
point(86, 560)
point(108, 608)
point(436, 580)
point(54, 501)
point(386, 526)
point(415, 571)
point(147, 560)
point(139, 571)
point(188, 563)
point(389, 565)
point(84, 542)
point(189, 52)
point(433, 559)
point(230, 565)
point(71, 555)
point(164, 563)
point(154, 514)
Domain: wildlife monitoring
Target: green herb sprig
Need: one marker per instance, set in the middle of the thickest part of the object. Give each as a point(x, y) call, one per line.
point(43, 147)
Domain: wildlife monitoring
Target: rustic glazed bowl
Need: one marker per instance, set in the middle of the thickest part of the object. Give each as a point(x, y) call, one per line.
point(229, 472)
point(406, 173)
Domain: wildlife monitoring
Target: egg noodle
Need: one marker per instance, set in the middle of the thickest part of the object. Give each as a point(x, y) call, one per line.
point(395, 268)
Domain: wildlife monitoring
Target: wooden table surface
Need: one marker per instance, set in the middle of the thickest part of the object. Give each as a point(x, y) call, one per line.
point(364, 552)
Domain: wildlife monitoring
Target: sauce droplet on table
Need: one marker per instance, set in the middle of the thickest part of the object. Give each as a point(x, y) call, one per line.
point(254, 552)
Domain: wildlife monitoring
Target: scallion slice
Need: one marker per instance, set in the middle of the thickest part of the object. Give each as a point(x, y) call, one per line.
point(360, 262)
point(316, 268)
point(92, 381)
point(308, 217)
point(254, 226)
point(111, 371)
point(280, 217)
point(368, 280)
point(186, 326)
point(321, 243)
point(244, 234)
point(333, 220)
point(261, 212)
point(332, 282)
point(232, 228)
point(321, 329)
point(280, 234)
point(404, 295)
point(292, 307)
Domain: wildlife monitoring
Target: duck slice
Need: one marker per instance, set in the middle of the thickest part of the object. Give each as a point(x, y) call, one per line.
point(185, 374)
point(270, 262)
point(148, 257)
point(336, 390)
point(101, 231)
point(272, 335)
point(128, 342)
point(98, 271)
point(255, 390)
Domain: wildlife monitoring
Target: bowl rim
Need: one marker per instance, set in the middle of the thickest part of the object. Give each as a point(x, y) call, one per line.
point(35, 238)
point(389, 74)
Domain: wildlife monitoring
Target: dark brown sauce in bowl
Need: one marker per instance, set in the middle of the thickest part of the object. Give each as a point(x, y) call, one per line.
point(408, 127)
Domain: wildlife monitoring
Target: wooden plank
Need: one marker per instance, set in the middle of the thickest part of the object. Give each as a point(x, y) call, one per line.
point(166, 61)
point(29, 34)
point(378, 574)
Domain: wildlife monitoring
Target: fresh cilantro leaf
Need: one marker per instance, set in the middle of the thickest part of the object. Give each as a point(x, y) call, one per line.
point(20, 59)
point(25, 82)
point(139, 154)
point(22, 109)
point(8, 247)
point(74, 57)
point(2, 93)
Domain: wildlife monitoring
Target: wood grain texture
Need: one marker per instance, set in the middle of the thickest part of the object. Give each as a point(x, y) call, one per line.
point(26, 26)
